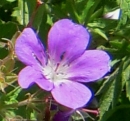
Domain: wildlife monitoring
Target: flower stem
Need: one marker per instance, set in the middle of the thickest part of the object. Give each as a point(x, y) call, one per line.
point(39, 2)
point(91, 111)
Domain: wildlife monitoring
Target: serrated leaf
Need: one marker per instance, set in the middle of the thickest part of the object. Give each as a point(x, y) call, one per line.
point(126, 74)
point(126, 79)
point(106, 100)
point(112, 90)
point(118, 86)
point(12, 96)
point(128, 88)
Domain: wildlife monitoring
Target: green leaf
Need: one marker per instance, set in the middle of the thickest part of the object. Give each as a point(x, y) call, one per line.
point(10, 0)
point(125, 7)
point(100, 32)
point(128, 87)
point(89, 7)
point(21, 12)
point(111, 90)
point(106, 100)
point(11, 97)
point(107, 88)
point(7, 30)
point(40, 15)
point(118, 86)
point(116, 44)
point(126, 79)
point(96, 14)
point(71, 9)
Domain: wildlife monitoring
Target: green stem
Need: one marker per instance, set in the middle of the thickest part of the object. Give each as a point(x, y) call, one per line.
point(72, 3)
point(34, 13)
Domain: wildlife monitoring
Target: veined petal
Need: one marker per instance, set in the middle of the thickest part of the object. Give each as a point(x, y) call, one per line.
point(29, 49)
point(92, 65)
point(67, 40)
point(29, 76)
point(71, 94)
point(62, 116)
point(115, 15)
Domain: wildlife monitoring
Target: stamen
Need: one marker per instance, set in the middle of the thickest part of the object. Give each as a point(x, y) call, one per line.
point(57, 66)
point(80, 115)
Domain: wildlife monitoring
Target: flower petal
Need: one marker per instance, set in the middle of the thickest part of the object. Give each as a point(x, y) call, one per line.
point(29, 49)
point(61, 116)
point(29, 75)
point(92, 65)
point(67, 40)
point(71, 94)
point(115, 15)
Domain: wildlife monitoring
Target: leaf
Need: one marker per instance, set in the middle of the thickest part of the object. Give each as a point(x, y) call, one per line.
point(126, 79)
point(128, 88)
point(89, 7)
point(100, 32)
point(7, 30)
point(108, 94)
point(31, 6)
point(96, 14)
point(119, 113)
point(10, 0)
point(116, 44)
point(118, 86)
point(21, 12)
point(124, 5)
point(112, 89)
point(40, 15)
point(106, 100)
point(126, 74)
point(71, 9)
point(11, 97)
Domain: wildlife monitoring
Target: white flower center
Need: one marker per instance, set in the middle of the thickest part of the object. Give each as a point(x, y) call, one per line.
point(55, 73)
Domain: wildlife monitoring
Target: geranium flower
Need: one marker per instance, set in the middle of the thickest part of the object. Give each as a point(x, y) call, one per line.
point(62, 116)
point(65, 63)
point(115, 15)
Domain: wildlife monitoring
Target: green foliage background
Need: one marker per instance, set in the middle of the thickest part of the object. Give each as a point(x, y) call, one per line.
point(112, 93)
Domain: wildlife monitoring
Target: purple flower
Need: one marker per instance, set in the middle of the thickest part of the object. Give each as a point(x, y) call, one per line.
point(63, 65)
point(62, 116)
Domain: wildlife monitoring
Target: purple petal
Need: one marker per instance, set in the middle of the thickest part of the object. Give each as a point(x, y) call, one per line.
point(29, 75)
point(92, 65)
point(67, 40)
point(29, 49)
point(71, 94)
point(61, 116)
